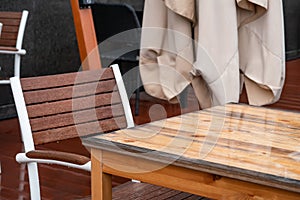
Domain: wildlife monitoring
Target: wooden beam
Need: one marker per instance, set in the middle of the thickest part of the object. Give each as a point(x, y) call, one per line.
point(183, 179)
point(86, 37)
point(101, 182)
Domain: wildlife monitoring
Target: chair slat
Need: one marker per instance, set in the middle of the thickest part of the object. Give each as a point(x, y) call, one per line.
point(45, 109)
point(51, 81)
point(9, 36)
point(80, 130)
point(76, 118)
point(68, 92)
point(10, 15)
point(10, 29)
point(8, 43)
point(8, 48)
point(10, 22)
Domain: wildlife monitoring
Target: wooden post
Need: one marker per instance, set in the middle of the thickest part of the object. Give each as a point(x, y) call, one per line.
point(86, 37)
point(101, 182)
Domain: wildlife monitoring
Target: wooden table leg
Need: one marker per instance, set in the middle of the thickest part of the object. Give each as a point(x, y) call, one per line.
point(101, 182)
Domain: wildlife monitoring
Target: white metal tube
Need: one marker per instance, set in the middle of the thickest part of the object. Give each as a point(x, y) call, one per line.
point(123, 94)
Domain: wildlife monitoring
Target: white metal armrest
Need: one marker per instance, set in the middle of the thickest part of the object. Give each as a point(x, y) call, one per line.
point(20, 52)
point(22, 158)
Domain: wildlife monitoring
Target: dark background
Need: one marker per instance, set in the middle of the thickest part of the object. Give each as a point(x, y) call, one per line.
point(49, 40)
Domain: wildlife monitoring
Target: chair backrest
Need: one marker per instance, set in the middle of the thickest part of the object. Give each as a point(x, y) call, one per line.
point(70, 105)
point(13, 28)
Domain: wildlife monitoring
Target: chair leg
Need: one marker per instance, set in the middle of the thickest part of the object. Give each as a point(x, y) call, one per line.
point(17, 65)
point(34, 181)
point(22, 177)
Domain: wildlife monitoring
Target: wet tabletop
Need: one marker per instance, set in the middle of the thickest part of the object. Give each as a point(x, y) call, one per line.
point(240, 141)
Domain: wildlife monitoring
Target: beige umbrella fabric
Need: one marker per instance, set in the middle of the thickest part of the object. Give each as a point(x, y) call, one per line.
point(236, 42)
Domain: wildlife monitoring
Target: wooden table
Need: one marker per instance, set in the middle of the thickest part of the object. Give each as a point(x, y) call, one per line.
point(231, 152)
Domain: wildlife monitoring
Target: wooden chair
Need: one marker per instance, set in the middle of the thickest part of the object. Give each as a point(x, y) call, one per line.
point(64, 106)
point(11, 38)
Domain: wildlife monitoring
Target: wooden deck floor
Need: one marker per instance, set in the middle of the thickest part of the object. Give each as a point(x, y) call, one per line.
point(59, 182)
